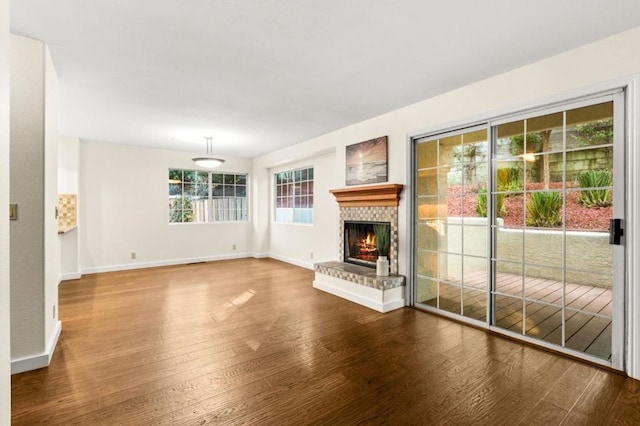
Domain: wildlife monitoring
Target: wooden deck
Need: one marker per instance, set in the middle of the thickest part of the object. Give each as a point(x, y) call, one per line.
point(587, 309)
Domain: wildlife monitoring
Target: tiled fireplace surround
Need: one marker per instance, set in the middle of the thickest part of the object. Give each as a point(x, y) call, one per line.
point(359, 283)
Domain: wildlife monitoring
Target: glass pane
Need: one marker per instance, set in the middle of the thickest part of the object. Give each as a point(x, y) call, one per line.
point(241, 179)
point(449, 298)
point(510, 244)
point(475, 237)
point(217, 177)
point(510, 140)
point(175, 175)
point(189, 189)
point(229, 179)
point(450, 206)
point(175, 189)
point(545, 210)
point(545, 248)
point(450, 267)
point(475, 273)
point(241, 191)
point(474, 304)
point(426, 291)
point(510, 176)
point(450, 151)
point(584, 331)
point(451, 241)
point(427, 264)
point(427, 182)
point(508, 311)
point(541, 321)
point(428, 208)
point(189, 176)
point(590, 126)
point(543, 284)
point(509, 279)
point(427, 236)
point(427, 155)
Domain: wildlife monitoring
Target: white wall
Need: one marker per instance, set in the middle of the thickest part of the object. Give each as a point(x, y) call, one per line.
point(5, 319)
point(604, 60)
point(585, 67)
point(35, 249)
point(51, 238)
point(294, 243)
point(123, 200)
point(68, 167)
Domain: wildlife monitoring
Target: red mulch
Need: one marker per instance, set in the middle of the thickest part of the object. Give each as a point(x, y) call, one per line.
point(577, 216)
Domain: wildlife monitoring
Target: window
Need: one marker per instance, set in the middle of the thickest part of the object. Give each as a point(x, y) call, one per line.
point(294, 196)
point(201, 197)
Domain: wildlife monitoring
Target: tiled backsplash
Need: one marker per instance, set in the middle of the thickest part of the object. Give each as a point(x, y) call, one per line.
point(67, 212)
point(372, 214)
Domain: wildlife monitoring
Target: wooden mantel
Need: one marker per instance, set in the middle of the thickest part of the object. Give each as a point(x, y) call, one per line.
point(387, 195)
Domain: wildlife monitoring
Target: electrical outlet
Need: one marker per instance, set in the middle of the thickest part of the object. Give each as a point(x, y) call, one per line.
point(234, 246)
point(133, 255)
point(311, 255)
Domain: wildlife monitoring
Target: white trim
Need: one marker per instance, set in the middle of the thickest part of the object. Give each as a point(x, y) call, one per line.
point(260, 255)
point(306, 265)
point(69, 276)
point(378, 300)
point(171, 262)
point(38, 361)
point(632, 235)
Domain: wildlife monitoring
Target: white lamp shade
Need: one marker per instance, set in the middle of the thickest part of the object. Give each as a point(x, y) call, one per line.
point(208, 162)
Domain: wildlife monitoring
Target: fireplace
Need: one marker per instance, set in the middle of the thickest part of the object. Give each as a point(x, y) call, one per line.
point(364, 241)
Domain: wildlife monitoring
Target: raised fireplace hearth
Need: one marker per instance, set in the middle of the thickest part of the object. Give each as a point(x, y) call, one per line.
point(367, 215)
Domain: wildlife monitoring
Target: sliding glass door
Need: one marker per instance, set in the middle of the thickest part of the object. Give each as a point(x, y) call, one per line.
point(451, 227)
point(512, 226)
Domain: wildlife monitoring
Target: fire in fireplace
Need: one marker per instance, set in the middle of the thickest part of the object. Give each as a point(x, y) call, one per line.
point(365, 241)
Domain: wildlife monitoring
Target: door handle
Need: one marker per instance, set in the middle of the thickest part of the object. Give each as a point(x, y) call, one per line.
point(615, 231)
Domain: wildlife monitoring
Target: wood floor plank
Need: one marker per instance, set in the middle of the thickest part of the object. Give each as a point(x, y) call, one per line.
point(249, 341)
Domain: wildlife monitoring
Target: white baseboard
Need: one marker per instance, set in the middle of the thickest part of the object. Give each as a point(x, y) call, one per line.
point(261, 255)
point(377, 300)
point(142, 265)
point(307, 265)
point(38, 361)
point(70, 276)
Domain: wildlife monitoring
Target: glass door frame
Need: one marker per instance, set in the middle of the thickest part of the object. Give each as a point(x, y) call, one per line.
point(620, 290)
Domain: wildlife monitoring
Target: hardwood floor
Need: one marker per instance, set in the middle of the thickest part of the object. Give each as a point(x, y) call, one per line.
point(251, 342)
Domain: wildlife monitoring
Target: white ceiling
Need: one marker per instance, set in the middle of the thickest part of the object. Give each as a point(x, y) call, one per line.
point(258, 75)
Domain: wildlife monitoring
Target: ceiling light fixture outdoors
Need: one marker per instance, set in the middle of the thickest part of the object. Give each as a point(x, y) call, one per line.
point(208, 161)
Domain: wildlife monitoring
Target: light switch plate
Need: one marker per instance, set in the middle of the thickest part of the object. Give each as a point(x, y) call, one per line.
point(13, 212)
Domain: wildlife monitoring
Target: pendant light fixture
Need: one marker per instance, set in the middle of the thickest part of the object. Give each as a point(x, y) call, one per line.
point(208, 161)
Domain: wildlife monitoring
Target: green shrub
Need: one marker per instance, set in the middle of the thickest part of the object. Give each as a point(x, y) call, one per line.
point(481, 207)
point(544, 209)
point(595, 197)
point(509, 179)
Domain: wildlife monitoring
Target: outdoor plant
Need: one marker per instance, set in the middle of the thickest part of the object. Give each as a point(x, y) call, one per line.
point(382, 239)
point(181, 210)
point(595, 197)
point(481, 207)
point(509, 179)
point(544, 209)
